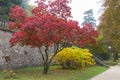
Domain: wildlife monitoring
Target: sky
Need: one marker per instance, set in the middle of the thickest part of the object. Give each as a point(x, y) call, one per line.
point(80, 6)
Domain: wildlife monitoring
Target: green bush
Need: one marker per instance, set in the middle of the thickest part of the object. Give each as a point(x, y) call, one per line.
point(101, 48)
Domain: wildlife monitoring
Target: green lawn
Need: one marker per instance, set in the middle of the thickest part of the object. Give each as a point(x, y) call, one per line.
point(56, 73)
point(112, 63)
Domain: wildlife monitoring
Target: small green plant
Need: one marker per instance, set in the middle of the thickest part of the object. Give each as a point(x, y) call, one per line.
point(8, 74)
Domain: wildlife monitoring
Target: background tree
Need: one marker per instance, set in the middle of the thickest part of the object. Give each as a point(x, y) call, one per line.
point(88, 18)
point(110, 24)
point(24, 3)
point(101, 48)
point(4, 9)
point(27, 7)
point(47, 29)
point(6, 4)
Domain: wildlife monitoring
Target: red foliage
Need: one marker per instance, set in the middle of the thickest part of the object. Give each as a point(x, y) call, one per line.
point(44, 28)
point(59, 8)
point(87, 35)
point(18, 15)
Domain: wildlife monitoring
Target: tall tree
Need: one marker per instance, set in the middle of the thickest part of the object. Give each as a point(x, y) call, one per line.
point(110, 23)
point(47, 29)
point(88, 18)
point(24, 4)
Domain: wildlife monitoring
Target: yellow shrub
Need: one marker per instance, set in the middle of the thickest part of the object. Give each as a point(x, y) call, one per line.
point(74, 57)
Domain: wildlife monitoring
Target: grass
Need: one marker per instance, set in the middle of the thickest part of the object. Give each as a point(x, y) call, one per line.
point(112, 63)
point(56, 73)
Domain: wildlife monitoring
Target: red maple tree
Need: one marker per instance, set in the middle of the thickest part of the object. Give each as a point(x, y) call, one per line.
point(49, 27)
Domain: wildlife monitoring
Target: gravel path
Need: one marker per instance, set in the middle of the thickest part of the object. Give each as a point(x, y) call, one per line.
point(111, 74)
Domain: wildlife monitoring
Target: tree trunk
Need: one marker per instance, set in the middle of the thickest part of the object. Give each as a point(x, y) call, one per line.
point(115, 56)
point(46, 68)
point(45, 60)
point(45, 57)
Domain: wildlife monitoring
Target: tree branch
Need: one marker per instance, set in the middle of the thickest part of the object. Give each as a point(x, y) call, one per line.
point(42, 54)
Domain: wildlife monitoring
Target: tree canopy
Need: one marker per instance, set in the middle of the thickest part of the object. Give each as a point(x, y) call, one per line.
point(88, 18)
point(110, 23)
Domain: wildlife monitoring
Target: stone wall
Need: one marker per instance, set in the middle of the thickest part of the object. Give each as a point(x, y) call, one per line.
point(17, 56)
